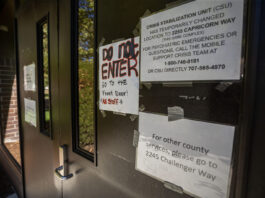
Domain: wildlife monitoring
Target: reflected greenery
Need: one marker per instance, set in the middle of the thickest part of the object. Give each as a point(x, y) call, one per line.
point(86, 74)
point(46, 83)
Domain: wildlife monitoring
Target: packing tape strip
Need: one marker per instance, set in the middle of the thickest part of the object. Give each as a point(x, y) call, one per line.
point(173, 187)
point(178, 84)
point(133, 117)
point(142, 107)
point(177, 3)
point(103, 113)
point(3, 28)
point(101, 43)
point(136, 135)
point(119, 113)
point(148, 85)
point(136, 30)
point(222, 86)
point(117, 40)
point(175, 113)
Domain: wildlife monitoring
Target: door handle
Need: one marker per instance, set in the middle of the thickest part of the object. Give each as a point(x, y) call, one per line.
point(62, 171)
point(60, 176)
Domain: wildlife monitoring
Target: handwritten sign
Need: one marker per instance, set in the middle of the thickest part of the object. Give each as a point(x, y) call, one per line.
point(29, 77)
point(200, 40)
point(30, 111)
point(193, 155)
point(119, 76)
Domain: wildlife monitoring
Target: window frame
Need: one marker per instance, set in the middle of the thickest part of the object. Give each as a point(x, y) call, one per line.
point(40, 23)
point(74, 83)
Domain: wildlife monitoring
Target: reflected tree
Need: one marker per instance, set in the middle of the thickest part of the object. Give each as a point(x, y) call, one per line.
point(86, 74)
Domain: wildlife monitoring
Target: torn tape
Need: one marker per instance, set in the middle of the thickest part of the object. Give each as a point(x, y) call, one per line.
point(142, 107)
point(117, 40)
point(119, 113)
point(133, 117)
point(175, 113)
point(136, 135)
point(103, 113)
point(222, 86)
point(147, 13)
point(148, 85)
point(136, 30)
point(101, 43)
point(173, 187)
point(3, 28)
point(178, 84)
point(177, 3)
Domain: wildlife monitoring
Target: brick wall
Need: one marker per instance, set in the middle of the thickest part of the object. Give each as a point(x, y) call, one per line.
point(8, 101)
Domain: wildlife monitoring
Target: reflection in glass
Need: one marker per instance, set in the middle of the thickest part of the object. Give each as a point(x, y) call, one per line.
point(86, 73)
point(44, 77)
point(46, 83)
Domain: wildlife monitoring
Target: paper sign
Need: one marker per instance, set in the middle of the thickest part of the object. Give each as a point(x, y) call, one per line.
point(119, 76)
point(193, 155)
point(30, 111)
point(29, 77)
point(200, 40)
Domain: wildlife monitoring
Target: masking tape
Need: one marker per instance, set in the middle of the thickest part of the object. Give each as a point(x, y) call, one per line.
point(136, 135)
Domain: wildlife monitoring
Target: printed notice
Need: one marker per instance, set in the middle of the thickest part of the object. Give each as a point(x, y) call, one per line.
point(119, 76)
point(191, 154)
point(30, 111)
point(200, 40)
point(29, 77)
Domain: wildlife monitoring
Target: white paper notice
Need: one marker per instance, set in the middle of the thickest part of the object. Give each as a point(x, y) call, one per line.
point(30, 111)
point(29, 77)
point(191, 154)
point(119, 76)
point(200, 40)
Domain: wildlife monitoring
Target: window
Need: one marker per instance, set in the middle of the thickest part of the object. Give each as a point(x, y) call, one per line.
point(44, 76)
point(9, 93)
point(84, 78)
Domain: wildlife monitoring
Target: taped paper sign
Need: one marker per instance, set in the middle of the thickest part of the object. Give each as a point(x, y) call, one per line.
point(200, 40)
point(29, 77)
point(193, 155)
point(119, 76)
point(30, 112)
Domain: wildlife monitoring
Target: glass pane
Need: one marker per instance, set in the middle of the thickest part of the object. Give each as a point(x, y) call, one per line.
point(86, 73)
point(46, 83)
point(44, 76)
point(9, 118)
